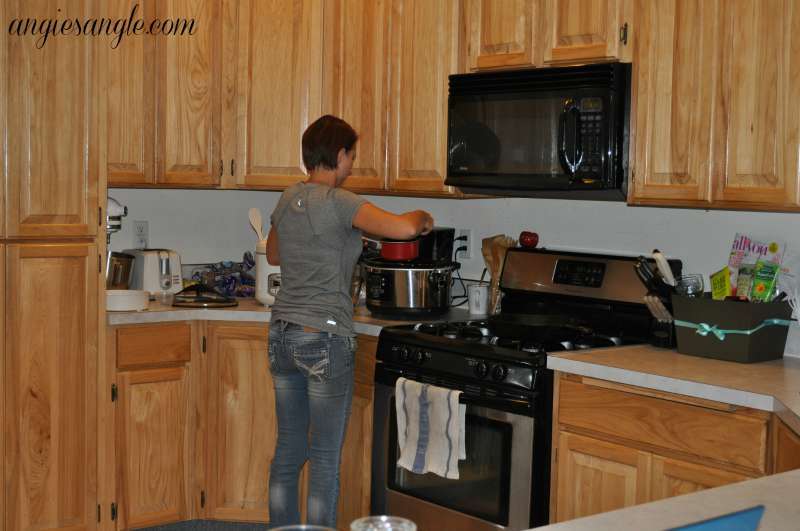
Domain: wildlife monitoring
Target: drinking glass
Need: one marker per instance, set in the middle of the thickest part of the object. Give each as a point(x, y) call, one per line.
point(383, 523)
point(690, 285)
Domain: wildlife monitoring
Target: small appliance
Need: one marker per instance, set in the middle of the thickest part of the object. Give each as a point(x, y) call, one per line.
point(544, 132)
point(156, 271)
point(119, 266)
point(264, 271)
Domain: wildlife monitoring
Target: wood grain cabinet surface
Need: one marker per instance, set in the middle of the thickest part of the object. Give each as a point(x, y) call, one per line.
point(51, 164)
point(785, 449)
point(583, 30)
point(49, 382)
point(714, 87)
point(502, 34)
point(618, 445)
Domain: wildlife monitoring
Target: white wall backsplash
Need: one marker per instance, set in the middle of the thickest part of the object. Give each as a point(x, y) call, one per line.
point(212, 225)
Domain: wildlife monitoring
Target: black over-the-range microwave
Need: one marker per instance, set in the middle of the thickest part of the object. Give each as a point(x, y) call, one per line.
point(548, 132)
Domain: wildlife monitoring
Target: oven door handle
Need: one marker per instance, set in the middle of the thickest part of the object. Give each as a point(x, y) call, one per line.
point(509, 405)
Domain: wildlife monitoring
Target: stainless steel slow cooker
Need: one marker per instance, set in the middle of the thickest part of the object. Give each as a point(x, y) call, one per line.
point(407, 289)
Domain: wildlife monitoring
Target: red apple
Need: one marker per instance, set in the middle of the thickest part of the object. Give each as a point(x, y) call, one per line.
point(528, 239)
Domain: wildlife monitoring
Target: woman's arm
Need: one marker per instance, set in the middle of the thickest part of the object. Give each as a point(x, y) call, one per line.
point(273, 258)
point(379, 222)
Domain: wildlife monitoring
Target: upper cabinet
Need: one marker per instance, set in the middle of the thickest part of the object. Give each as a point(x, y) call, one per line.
point(714, 86)
point(188, 94)
point(163, 96)
point(354, 82)
point(501, 33)
point(674, 69)
point(272, 81)
point(756, 155)
point(583, 30)
point(130, 101)
point(423, 53)
point(51, 148)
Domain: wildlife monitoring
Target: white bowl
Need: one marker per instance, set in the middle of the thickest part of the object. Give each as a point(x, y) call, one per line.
point(127, 300)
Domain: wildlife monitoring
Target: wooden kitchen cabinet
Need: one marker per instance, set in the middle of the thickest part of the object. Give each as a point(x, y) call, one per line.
point(785, 447)
point(619, 445)
point(715, 85)
point(596, 476)
point(674, 477)
point(51, 146)
point(49, 387)
point(354, 82)
point(584, 30)
point(423, 53)
point(242, 426)
point(154, 422)
point(272, 83)
point(130, 101)
point(2, 379)
point(502, 33)
point(163, 108)
point(188, 124)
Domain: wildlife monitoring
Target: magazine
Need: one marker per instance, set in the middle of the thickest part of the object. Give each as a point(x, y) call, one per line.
point(745, 252)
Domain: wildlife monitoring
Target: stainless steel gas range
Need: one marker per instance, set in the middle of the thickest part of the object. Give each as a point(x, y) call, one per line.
point(552, 301)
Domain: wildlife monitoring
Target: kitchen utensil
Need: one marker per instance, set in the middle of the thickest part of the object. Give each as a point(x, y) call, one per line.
point(658, 308)
point(119, 270)
point(127, 300)
point(500, 244)
point(200, 296)
point(478, 297)
point(383, 523)
point(406, 290)
point(690, 285)
point(255, 221)
point(663, 267)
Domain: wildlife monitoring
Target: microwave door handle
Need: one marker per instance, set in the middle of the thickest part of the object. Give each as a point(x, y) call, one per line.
point(572, 111)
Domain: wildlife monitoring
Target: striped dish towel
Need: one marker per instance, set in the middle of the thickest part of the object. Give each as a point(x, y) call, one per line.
point(430, 428)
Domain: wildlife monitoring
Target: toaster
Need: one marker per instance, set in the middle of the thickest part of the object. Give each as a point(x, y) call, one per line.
point(152, 267)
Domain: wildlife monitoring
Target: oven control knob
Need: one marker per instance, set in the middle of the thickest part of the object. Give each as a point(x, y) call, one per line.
point(405, 354)
point(499, 373)
point(481, 369)
point(419, 356)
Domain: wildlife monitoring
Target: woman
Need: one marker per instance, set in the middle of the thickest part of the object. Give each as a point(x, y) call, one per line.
point(316, 238)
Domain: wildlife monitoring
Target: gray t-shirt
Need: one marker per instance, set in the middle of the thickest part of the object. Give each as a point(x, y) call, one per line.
point(318, 249)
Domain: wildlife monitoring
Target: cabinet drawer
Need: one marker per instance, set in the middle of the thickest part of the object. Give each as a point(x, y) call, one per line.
point(162, 344)
point(733, 437)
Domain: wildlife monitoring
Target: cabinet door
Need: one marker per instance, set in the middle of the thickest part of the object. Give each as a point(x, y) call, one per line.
point(673, 477)
point(758, 126)
point(188, 93)
point(596, 476)
point(152, 427)
point(423, 53)
point(49, 387)
point(353, 82)
point(278, 83)
point(501, 33)
point(786, 450)
point(2, 378)
point(577, 30)
point(356, 467)
point(675, 60)
point(242, 426)
point(130, 93)
point(51, 165)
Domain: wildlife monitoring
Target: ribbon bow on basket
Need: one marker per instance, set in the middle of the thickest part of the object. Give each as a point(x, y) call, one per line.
point(703, 329)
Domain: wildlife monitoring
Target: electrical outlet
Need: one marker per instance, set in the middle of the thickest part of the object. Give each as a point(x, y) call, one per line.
point(140, 234)
point(465, 241)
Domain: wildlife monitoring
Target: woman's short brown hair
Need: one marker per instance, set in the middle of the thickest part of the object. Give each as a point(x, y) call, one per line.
point(323, 140)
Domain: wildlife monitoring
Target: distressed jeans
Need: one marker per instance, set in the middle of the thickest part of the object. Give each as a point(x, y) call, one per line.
point(313, 377)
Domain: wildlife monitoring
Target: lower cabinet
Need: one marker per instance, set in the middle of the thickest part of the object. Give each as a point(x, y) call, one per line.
point(785, 448)
point(196, 426)
point(618, 446)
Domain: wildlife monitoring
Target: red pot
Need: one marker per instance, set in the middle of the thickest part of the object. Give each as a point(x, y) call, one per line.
point(399, 250)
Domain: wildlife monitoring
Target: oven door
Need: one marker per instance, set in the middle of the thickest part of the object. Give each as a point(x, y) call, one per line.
point(493, 490)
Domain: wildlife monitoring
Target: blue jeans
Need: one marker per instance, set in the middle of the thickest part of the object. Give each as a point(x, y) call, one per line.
point(313, 377)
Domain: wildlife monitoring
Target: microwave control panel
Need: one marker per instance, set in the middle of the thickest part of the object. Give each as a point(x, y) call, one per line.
point(591, 131)
point(579, 273)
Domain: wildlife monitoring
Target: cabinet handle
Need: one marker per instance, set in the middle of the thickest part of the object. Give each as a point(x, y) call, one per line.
point(220, 167)
point(232, 167)
point(623, 33)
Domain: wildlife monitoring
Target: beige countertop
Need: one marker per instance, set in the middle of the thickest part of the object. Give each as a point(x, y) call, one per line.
point(253, 311)
point(768, 386)
point(778, 494)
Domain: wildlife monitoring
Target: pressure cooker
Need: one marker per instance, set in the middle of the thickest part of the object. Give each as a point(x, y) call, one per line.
point(407, 290)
